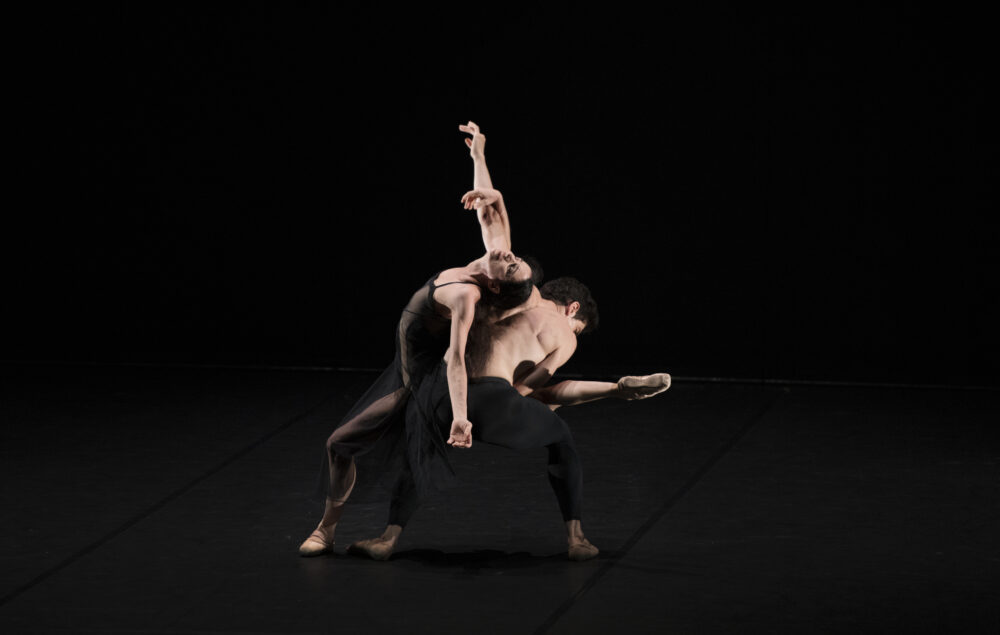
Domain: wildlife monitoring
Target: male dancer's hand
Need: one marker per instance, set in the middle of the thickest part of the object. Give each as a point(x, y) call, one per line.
point(461, 433)
point(477, 144)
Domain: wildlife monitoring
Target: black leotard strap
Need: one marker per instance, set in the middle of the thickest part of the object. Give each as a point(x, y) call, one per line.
point(434, 286)
point(431, 309)
point(445, 284)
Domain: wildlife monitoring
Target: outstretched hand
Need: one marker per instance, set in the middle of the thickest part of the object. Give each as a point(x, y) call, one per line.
point(461, 433)
point(474, 199)
point(477, 144)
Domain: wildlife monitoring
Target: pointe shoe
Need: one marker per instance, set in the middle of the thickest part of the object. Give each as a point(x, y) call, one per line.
point(316, 544)
point(632, 388)
point(583, 550)
point(374, 548)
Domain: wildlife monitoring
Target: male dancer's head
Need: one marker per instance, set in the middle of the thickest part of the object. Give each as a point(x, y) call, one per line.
point(575, 297)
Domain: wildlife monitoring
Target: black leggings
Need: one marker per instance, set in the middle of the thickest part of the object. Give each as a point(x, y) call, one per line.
point(502, 416)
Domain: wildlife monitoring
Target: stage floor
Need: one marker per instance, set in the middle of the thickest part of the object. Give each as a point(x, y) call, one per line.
point(173, 500)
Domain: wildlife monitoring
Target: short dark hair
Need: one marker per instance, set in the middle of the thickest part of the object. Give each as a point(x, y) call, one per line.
point(567, 290)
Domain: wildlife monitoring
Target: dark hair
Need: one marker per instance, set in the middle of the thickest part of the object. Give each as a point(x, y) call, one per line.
point(537, 274)
point(510, 295)
point(513, 294)
point(567, 290)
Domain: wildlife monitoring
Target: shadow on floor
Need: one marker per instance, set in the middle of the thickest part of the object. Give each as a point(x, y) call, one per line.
point(493, 559)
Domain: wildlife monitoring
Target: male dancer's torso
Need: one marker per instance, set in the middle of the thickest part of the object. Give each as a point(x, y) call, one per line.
point(522, 341)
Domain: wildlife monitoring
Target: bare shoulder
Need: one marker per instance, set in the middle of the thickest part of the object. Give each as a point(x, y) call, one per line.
point(454, 296)
point(554, 331)
point(454, 274)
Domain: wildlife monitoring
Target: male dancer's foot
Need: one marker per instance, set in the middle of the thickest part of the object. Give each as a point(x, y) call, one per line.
point(642, 387)
point(320, 541)
point(580, 548)
point(377, 548)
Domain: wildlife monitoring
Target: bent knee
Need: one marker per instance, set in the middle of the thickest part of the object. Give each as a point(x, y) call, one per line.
point(338, 445)
point(332, 441)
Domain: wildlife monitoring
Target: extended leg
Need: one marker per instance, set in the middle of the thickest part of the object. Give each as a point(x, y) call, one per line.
point(631, 387)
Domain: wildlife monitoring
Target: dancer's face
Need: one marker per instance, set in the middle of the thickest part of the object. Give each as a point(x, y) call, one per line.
point(504, 265)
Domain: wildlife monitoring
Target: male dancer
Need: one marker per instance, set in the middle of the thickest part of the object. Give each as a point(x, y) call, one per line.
point(523, 353)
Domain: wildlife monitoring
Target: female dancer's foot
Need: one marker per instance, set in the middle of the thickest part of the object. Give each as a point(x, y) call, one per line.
point(642, 387)
point(320, 541)
point(377, 548)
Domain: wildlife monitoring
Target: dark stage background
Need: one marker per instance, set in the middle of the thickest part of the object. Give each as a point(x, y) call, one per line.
point(798, 196)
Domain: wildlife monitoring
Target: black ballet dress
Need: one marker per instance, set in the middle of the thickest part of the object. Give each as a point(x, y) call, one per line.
point(386, 432)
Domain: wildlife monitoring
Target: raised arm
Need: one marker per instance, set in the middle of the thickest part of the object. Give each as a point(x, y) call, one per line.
point(492, 217)
point(477, 150)
point(484, 198)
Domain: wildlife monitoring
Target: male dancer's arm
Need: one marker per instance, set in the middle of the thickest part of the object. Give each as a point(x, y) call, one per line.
point(560, 349)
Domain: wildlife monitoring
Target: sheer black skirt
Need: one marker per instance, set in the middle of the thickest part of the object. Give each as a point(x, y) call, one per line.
point(387, 432)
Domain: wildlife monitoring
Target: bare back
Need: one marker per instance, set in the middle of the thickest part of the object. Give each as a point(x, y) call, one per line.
point(539, 338)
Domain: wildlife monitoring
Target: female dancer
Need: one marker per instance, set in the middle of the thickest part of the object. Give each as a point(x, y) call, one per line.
point(434, 325)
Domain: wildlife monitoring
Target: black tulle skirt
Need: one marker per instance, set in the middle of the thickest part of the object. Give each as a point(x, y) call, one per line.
point(391, 429)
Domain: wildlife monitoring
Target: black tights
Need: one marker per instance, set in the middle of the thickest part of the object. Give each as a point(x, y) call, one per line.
point(502, 416)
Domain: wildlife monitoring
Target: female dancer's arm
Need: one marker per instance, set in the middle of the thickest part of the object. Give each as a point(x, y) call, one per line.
point(489, 207)
point(462, 304)
point(492, 217)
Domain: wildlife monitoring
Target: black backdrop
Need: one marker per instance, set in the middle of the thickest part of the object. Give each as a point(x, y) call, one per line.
point(801, 196)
